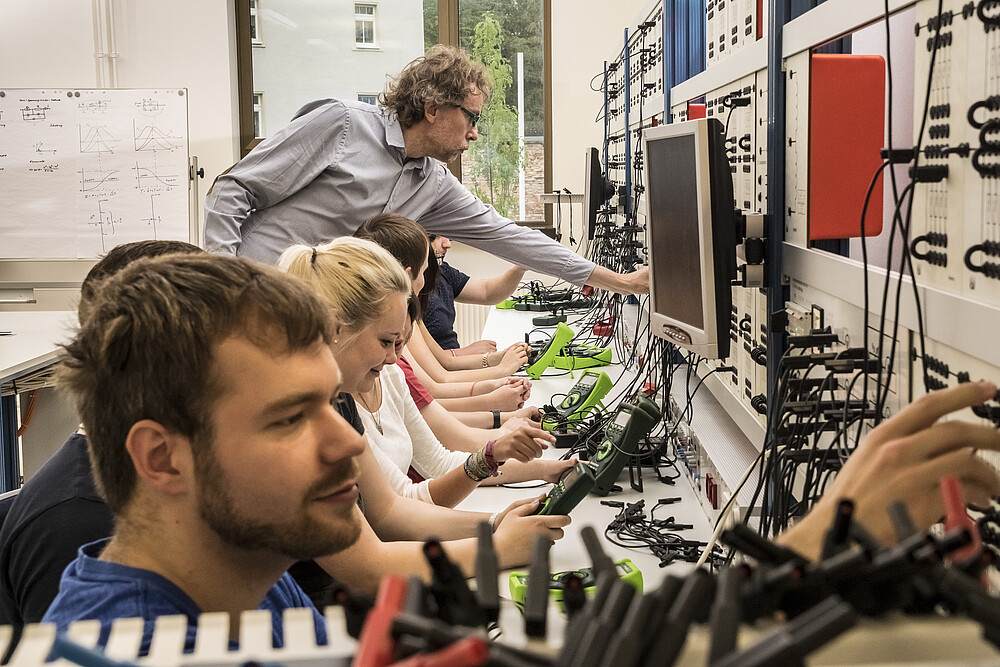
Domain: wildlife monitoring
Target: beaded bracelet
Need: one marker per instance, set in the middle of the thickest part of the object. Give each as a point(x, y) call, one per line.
point(476, 467)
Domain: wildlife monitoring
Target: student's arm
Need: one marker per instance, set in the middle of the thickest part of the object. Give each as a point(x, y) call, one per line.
point(484, 420)
point(491, 291)
point(394, 517)
point(455, 390)
point(522, 439)
point(417, 351)
point(903, 459)
point(502, 363)
point(362, 565)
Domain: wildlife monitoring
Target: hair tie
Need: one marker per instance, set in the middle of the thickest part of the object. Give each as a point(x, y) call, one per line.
point(313, 262)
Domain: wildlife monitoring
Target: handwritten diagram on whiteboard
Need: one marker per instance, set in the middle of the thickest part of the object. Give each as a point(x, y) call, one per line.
point(82, 171)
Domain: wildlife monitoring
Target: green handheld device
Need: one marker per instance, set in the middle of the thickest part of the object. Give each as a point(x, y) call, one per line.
point(577, 356)
point(568, 491)
point(627, 571)
point(543, 358)
point(585, 394)
point(631, 423)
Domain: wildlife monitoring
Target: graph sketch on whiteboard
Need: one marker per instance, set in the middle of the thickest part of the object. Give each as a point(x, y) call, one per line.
point(97, 179)
point(153, 217)
point(97, 140)
point(152, 138)
point(149, 179)
point(105, 221)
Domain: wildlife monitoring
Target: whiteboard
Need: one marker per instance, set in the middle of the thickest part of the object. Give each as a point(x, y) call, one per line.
point(82, 171)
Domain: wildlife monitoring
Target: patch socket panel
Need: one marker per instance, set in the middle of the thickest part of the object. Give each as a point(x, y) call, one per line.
point(962, 211)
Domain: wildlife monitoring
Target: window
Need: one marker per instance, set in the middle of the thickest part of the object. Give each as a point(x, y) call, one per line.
point(258, 115)
point(367, 98)
point(254, 24)
point(364, 25)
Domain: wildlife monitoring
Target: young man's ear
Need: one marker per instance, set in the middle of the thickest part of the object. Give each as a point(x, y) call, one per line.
point(162, 458)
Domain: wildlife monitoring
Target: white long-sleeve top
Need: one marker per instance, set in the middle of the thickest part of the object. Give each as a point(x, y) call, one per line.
point(406, 439)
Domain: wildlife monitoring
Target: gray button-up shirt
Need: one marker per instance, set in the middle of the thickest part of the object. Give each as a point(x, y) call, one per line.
point(339, 164)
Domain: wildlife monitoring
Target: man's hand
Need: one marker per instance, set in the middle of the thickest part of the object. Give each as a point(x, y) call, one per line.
point(516, 528)
point(636, 282)
point(523, 444)
point(903, 459)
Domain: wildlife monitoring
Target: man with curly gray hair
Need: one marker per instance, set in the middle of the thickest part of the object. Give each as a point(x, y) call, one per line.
point(340, 162)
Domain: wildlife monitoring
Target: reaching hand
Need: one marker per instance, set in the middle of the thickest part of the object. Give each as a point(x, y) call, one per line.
point(903, 459)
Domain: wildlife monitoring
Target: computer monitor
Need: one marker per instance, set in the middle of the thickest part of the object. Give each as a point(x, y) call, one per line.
point(597, 190)
point(691, 231)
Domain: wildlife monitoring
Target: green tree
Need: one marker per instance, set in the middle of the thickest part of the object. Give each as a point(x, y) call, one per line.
point(496, 156)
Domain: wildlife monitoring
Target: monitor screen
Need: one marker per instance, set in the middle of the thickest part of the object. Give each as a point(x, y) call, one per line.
point(597, 191)
point(671, 212)
point(691, 232)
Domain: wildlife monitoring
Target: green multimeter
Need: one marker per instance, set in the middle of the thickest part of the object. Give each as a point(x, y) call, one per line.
point(542, 359)
point(585, 394)
point(631, 423)
point(626, 569)
point(568, 491)
point(577, 356)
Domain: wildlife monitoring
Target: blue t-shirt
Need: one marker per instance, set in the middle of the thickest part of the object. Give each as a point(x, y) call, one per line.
point(440, 315)
point(97, 589)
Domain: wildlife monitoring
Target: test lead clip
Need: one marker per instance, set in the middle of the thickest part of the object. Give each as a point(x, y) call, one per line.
point(487, 589)
point(601, 561)
point(536, 602)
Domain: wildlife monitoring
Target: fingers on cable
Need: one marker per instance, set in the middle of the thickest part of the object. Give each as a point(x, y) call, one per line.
point(927, 409)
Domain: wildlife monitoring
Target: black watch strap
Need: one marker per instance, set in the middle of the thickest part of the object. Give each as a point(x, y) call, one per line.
point(496, 418)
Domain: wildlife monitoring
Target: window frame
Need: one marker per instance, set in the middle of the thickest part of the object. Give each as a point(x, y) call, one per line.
point(373, 18)
point(254, 13)
point(447, 34)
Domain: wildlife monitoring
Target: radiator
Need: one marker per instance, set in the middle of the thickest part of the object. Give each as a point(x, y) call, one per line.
point(469, 322)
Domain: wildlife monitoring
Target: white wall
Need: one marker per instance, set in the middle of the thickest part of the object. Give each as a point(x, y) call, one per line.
point(585, 33)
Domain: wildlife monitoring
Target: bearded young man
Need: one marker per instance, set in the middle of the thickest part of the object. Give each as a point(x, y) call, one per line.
point(208, 392)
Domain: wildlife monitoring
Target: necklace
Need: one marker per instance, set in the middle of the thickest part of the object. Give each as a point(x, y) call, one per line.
point(378, 399)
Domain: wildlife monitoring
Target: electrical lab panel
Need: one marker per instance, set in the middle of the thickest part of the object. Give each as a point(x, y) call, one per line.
point(809, 307)
point(796, 148)
point(956, 222)
point(760, 141)
point(741, 136)
point(730, 25)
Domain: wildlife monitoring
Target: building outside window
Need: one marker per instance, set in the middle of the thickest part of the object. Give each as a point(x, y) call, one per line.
point(254, 24)
point(364, 25)
point(367, 98)
point(258, 115)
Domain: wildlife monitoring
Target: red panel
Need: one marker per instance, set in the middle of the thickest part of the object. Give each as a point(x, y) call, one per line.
point(846, 135)
point(695, 111)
